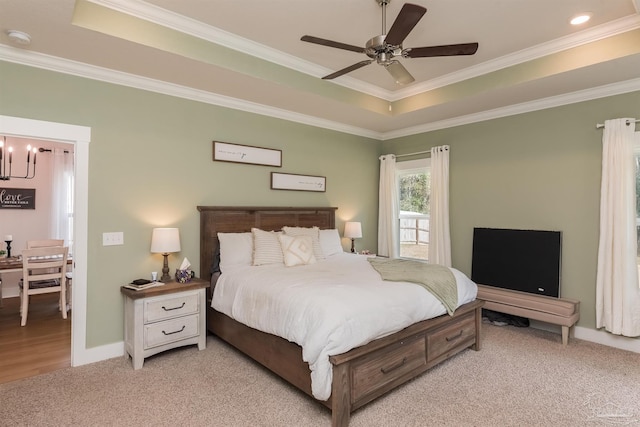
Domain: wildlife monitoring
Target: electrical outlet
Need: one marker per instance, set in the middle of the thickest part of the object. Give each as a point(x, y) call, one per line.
point(112, 239)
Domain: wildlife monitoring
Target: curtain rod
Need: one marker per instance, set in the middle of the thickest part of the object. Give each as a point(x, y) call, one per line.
point(600, 125)
point(414, 154)
point(421, 152)
point(49, 150)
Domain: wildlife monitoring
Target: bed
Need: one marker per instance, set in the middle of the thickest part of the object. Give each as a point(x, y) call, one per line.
point(359, 375)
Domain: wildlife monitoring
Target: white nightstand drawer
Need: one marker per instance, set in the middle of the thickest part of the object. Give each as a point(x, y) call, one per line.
point(169, 307)
point(173, 330)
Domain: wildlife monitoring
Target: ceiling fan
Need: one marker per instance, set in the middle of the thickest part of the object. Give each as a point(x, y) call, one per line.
point(385, 48)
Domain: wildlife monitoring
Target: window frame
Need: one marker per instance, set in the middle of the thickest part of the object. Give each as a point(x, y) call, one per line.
point(410, 167)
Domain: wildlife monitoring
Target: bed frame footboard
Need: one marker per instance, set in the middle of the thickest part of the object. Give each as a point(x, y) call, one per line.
point(364, 373)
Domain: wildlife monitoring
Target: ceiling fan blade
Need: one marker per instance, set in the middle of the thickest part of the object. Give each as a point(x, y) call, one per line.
point(331, 43)
point(399, 73)
point(445, 50)
point(347, 70)
point(408, 17)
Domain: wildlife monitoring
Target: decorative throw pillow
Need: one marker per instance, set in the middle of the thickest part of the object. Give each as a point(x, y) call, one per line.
point(314, 232)
point(236, 249)
point(297, 250)
point(266, 247)
point(330, 242)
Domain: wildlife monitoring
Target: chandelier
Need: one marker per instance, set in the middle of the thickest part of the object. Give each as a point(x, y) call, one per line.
point(6, 161)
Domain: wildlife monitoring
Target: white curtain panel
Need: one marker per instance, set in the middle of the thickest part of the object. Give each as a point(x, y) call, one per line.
point(617, 291)
point(439, 235)
point(388, 211)
point(62, 195)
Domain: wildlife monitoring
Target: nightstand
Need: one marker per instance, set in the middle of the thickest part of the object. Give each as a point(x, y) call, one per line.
point(164, 317)
point(368, 255)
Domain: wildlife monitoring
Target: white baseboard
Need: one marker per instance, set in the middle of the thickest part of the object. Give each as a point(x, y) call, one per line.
point(97, 354)
point(593, 335)
point(10, 292)
point(606, 338)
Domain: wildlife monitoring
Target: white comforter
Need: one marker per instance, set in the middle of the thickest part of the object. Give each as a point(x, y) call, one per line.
point(327, 308)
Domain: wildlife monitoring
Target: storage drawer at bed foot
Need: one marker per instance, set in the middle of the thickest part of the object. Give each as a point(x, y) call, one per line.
point(441, 341)
point(381, 368)
point(173, 330)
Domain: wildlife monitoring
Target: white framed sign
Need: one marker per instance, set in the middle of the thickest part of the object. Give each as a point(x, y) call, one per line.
point(237, 153)
point(290, 181)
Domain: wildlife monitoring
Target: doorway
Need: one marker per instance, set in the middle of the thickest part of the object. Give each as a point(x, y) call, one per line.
point(45, 211)
point(79, 136)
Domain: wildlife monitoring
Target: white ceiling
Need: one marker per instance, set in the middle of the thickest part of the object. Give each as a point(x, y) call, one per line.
point(247, 54)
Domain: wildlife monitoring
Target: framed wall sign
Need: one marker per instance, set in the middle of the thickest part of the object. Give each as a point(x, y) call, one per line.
point(290, 181)
point(237, 153)
point(17, 198)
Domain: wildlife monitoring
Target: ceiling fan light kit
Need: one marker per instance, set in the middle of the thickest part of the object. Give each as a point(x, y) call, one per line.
point(385, 48)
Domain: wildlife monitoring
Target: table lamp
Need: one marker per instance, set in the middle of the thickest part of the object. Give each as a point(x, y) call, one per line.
point(353, 230)
point(165, 241)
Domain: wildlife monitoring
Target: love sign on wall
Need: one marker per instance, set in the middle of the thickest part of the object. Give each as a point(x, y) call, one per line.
point(17, 198)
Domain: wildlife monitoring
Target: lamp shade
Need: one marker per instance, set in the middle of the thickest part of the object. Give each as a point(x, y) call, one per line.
point(353, 230)
point(165, 240)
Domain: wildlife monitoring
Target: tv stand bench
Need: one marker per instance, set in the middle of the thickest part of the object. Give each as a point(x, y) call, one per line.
point(564, 312)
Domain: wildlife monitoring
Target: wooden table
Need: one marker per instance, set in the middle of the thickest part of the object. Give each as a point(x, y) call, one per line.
point(10, 265)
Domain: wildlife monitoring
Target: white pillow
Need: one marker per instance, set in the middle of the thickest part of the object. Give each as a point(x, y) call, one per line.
point(330, 242)
point(297, 250)
point(235, 249)
point(313, 232)
point(266, 247)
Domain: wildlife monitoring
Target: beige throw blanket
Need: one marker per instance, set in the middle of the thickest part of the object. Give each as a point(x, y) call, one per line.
point(437, 279)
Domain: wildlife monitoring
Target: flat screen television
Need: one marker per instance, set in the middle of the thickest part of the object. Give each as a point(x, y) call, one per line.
point(521, 260)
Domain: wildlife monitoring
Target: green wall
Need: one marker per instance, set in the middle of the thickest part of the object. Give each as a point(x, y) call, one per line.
point(150, 164)
point(539, 170)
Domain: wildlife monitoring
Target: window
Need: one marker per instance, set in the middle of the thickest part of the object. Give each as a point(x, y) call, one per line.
point(414, 188)
point(62, 197)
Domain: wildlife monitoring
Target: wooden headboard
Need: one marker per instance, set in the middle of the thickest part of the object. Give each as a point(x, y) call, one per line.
point(238, 219)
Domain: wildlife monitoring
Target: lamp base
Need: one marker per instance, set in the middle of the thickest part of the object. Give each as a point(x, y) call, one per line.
point(353, 246)
point(165, 270)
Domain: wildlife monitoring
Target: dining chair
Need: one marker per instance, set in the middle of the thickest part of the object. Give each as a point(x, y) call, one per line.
point(31, 244)
point(43, 271)
point(53, 242)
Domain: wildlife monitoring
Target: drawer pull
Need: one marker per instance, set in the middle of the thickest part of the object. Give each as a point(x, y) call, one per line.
point(175, 332)
point(173, 308)
point(394, 367)
point(455, 337)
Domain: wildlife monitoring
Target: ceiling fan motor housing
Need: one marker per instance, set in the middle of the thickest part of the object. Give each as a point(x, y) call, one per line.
point(383, 53)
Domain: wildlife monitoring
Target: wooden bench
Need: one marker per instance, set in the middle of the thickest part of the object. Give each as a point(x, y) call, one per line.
point(558, 311)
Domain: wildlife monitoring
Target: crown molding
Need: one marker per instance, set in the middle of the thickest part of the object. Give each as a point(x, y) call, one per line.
point(591, 35)
point(525, 107)
point(65, 66)
point(186, 25)
point(157, 15)
point(60, 65)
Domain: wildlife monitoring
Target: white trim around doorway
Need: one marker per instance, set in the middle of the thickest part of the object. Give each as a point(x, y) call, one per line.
point(79, 136)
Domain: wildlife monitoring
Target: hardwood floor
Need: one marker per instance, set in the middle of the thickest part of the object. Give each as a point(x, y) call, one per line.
point(43, 345)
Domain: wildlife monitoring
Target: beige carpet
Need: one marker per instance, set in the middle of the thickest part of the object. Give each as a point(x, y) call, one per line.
point(521, 377)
